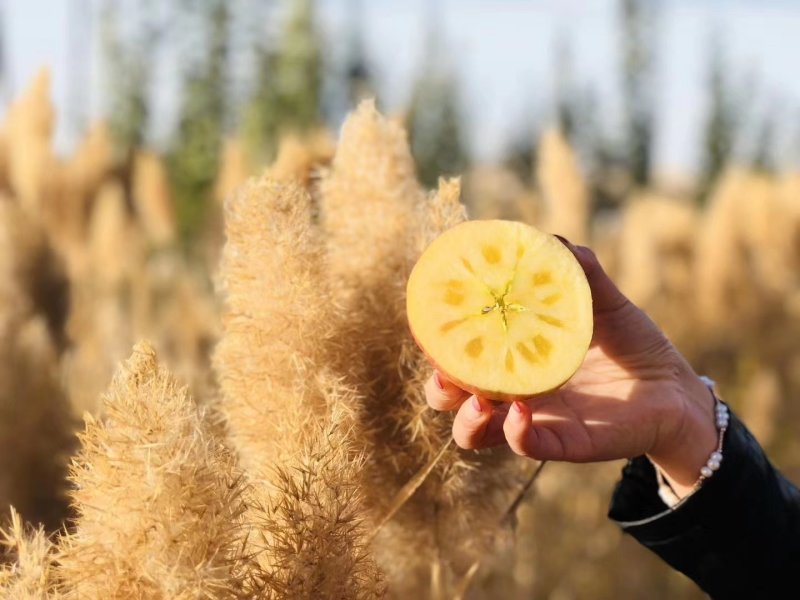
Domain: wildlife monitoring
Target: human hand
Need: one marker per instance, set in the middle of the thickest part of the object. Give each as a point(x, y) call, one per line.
point(634, 394)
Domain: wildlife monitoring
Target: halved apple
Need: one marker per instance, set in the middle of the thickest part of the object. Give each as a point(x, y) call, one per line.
point(502, 309)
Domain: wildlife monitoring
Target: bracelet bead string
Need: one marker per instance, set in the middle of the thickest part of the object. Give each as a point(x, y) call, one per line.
point(722, 421)
point(714, 462)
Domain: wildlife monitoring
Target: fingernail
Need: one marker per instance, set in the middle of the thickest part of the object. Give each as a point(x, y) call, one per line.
point(563, 240)
point(437, 380)
point(518, 409)
point(476, 405)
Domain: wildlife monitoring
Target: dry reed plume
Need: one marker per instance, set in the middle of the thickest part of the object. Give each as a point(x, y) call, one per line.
point(99, 323)
point(277, 322)
point(313, 525)
point(655, 254)
point(29, 127)
point(70, 191)
point(288, 415)
point(233, 169)
point(299, 159)
point(152, 199)
point(565, 195)
point(35, 423)
point(158, 500)
point(377, 220)
point(747, 249)
point(30, 573)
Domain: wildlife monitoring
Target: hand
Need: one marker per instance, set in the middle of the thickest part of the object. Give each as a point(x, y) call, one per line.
point(634, 394)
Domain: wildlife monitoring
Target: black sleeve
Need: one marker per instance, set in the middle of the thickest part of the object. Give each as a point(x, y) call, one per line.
point(738, 536)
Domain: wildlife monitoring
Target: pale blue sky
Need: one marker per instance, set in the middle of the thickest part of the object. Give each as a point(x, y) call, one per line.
point(502, 51)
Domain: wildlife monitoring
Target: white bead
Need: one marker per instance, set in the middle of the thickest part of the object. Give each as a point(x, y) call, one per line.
point(713, 465)
point(706, 472)
point(722, 410)
point(722, 423)
point(716, 456)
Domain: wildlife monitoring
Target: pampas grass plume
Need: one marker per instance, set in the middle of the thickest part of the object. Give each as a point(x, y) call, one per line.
point(152, 200)
point(655, 248)
point(299, 159)
point(158, 499)
point(314, 525)
point(29, 124)
point(233, 170)
point(30, 575)
point(35, 424)
point(276, 323)
point(288, 415)
point(367, 199)
point(563, 187)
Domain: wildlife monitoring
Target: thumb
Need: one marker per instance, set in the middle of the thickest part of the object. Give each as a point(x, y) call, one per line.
point(605, 294)
point(620, 326)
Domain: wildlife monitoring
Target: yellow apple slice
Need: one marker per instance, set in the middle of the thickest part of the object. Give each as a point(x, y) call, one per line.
point(502, 309)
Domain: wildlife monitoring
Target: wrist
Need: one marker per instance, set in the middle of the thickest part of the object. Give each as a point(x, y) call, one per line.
point(682, 456)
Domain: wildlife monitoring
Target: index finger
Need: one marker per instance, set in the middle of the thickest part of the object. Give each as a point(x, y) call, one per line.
point(443, 394)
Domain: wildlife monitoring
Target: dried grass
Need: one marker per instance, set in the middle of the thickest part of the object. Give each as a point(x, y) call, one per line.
point(158, 499)
point(288, 416)
point(152, 199)
point(277, 321)
point(377, 220)
point(30, 572)
point(313, 525)
point(35, 424)
point(29, 127)
point(233, 170)
point(300, 159)
point(655, 255)
point(567, 207)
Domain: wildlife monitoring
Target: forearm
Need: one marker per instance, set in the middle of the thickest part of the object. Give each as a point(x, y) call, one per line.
point(738, 536)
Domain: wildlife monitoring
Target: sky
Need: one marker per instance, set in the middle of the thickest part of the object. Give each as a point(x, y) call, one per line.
point(502, 52)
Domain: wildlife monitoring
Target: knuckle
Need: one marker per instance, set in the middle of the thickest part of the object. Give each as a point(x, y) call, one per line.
point(465, 439)
point(519, 448)
point(436, 398)
point(517, 440)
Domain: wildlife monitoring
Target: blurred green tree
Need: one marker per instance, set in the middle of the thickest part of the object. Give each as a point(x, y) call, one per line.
point(434, 116)
point(575, 104)
point(567, 107)
point(722, 122)
point(194, 157)
point(638, 19)
point(358, 75)
point(128, 59)
point(763, 158)
point(434, 126)
point(520, 157)
point(287, 94)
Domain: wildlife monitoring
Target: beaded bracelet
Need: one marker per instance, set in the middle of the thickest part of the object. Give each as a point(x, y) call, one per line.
point(714, 461)
point(723, 419)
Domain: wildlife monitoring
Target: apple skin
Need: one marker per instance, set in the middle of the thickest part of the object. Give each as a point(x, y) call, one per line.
point(487, 394)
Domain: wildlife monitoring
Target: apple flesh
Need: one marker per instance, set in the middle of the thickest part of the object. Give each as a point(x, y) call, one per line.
point(502, 309)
